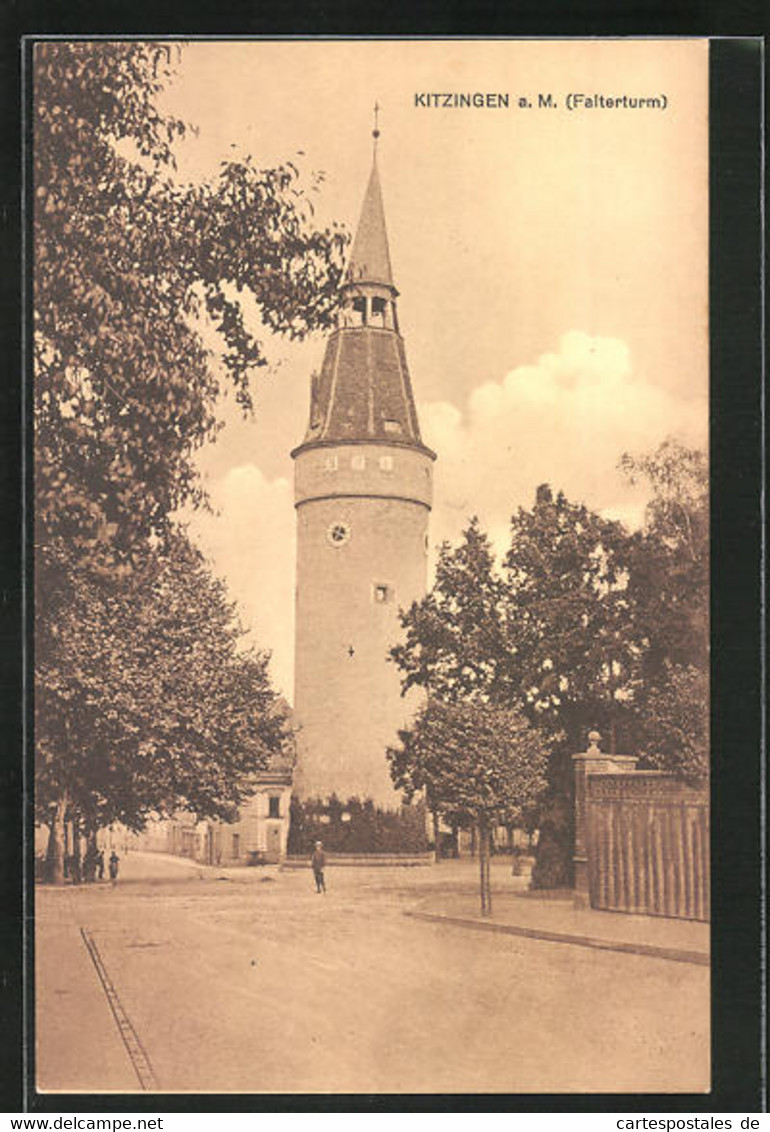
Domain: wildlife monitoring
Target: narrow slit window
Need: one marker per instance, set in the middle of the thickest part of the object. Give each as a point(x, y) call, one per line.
point(382, 593)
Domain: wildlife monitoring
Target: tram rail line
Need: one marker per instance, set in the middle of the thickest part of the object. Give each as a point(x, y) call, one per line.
point(136, 1052)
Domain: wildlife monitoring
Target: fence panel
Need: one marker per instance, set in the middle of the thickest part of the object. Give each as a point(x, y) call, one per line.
point(648, 845)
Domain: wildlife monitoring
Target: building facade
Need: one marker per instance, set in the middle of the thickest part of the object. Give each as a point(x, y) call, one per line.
point(363, 491)
point(258, 836)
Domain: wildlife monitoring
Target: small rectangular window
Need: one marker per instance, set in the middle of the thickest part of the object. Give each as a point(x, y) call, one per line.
point(358, 463)
point(382, 593)
point(274, 806)
point(392, 426)
point(378, 306)
point(330, 463)
point(386, 463)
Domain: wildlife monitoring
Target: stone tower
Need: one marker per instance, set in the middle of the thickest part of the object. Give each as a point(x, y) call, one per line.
point(363, 488)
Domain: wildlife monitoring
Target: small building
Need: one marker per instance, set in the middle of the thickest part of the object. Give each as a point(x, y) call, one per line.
point(258, 835)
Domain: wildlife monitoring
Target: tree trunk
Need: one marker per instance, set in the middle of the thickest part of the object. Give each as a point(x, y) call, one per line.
point(436, 835)
point(55, 850)
point(484, 878)
point(77, 865)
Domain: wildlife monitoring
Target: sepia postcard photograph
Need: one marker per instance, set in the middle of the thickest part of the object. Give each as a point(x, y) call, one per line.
point(371, 566)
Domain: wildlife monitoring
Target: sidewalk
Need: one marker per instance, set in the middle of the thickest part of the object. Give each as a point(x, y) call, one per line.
point(555, 919)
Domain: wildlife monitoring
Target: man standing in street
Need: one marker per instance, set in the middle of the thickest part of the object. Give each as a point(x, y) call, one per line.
point(318, 861)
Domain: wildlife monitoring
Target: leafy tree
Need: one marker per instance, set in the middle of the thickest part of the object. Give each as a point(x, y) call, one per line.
point(569, 616)
point(551, 635)
point(669, 585)
point(128, 263)
point(671, 572)
point(479, 762)
point(586, 626)
point(130, 267)
point(147, 703)
point(454, 643)
point(674, 711)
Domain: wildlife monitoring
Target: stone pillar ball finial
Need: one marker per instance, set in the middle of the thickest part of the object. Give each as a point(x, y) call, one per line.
point(594, 738)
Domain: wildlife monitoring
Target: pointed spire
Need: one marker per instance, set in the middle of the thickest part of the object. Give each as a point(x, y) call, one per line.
point(370, 261)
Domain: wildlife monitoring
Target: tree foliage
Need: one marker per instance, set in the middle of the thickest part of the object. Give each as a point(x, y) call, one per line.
point(479, 761)
point(585, 625)
point(146, 701)
point(127, 263)
point(476, 762)
point(454, 643)
point(355, 826)
point(669, 583)
point(143, 696)
point(570, 619)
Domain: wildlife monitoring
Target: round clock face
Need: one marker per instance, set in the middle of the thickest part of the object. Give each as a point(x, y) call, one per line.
point(338, 533)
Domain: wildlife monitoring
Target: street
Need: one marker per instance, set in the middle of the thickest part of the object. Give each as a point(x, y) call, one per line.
point(254, 983)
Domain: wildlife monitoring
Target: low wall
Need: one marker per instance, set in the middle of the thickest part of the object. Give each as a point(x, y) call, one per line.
point(371, 860)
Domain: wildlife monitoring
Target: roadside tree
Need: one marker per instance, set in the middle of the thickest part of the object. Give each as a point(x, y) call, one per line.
point(478, 762)
point(147, 703)
point(131, 268)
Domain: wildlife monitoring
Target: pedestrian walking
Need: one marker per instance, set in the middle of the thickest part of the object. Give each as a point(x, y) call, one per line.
point(318, 861)
point(114, 861)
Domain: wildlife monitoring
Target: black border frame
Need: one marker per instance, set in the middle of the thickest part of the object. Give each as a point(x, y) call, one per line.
point(737, 431)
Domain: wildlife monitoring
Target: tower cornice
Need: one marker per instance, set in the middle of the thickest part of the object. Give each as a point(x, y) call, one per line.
point(369, 442)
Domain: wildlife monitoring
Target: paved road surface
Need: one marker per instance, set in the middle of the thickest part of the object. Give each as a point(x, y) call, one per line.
point(252, 986)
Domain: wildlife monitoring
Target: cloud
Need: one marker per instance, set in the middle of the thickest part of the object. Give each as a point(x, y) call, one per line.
point(250, 541)
point(565, 420)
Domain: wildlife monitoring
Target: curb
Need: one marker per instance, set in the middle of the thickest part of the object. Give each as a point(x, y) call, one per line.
point(675, 954)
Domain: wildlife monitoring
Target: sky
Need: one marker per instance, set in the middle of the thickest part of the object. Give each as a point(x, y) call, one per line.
point(552, 267)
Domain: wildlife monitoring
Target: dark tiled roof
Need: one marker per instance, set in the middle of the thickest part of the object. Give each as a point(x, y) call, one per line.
point(364, 391)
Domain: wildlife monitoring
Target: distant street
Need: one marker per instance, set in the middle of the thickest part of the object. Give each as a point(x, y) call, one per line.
point(249, 984)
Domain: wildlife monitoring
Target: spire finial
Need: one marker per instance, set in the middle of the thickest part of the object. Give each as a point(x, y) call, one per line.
point(376, 130)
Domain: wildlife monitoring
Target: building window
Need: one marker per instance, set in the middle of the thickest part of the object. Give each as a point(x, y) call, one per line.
point(380, 313)
point(236, 845)
point(392, 426)
point(382, 593)
point(386, 463)
point(358, 463)
point(330, 463)
point(274, 806)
